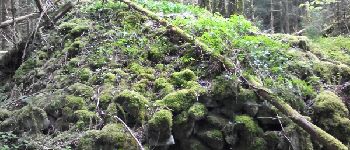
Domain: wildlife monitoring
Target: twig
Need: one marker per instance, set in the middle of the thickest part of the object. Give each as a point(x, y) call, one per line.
point(283, 132)
point(126, 126)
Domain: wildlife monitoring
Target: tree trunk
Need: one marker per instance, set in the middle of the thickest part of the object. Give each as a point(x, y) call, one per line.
point(272, 19)
point(287, 25)
point(3, 18)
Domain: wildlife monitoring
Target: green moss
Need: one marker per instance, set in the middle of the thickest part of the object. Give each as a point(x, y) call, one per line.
point(182, 77)
point(75, 27)
point(198, 111)
point(74, 48)
point(107, 94)
point(26, 67)
point(79, 89)
point(84, 74)
point(181, 118)
point(75, 102)
point(28, 118)
point(331, 114)
point(248, 123)
point(162, 118)
point(247, 95)
point(214, 138)
point(133, 104)
point(327, 103)
point(112, 136)
point(194, 85)
point(4, 113)
point(138, 69)
point(224, 86)
point(163, 87)
point(109, 78)
point(179, 100)
point(258, 144)
point(324, 70)
point(79, 30)
point(85, 118)
point(142, 86)
point(332, 48)
point(66, 27)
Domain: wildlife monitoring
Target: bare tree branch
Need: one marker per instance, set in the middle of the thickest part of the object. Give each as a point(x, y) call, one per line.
point(18, 19)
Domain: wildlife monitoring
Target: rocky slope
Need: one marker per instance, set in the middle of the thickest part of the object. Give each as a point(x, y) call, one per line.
point(105, 64)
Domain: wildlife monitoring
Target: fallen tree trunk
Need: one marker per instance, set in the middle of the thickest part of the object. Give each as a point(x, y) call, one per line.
point(315, 132)
point(62, 11)
point(12, 21)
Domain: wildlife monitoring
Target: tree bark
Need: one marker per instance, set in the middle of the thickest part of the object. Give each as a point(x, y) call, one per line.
point(3, 18)
point(272, 19)
point(287, 16)
point(316, 133)
point(12, 21)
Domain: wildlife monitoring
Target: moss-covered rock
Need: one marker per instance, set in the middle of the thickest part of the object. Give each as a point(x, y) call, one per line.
point(74, 27)
point(86, 119)
point(109, 78)
point(198, 111)
point(331, 114)
point(75, 102)
point(134, 104)
point(183, 125)
point(224, 87)
point(163, 86)
point(107, 94)
point(160, 125)
point(213, 138)
point(4, 113)
point(179, 100)
point(110, 137)
point(327, 104)
point(28, 118)
point(80, 89)
point(84, 74)
point(248, 124)
point(193, 144)
point(182, 77)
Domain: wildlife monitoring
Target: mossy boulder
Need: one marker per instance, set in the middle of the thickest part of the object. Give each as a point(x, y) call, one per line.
point(247, 125)
point(109, 78)
point(183, 126)
point(181, 78)
point(331, 114)
point(74, 48)
point(28, 118)
point(75, 102)
point(80, 89)
point(159, 128)
point(328, 103)
point(112, 136)
point(163, 87)
point(213, 138)
point(179, 100)
point(86, 119)
point(193, 144)
point(4, 114)
point(224, 87)
point(75, 27)
point(134, 104)
point(107, 94)
point(84, 74)
point(198, 111)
